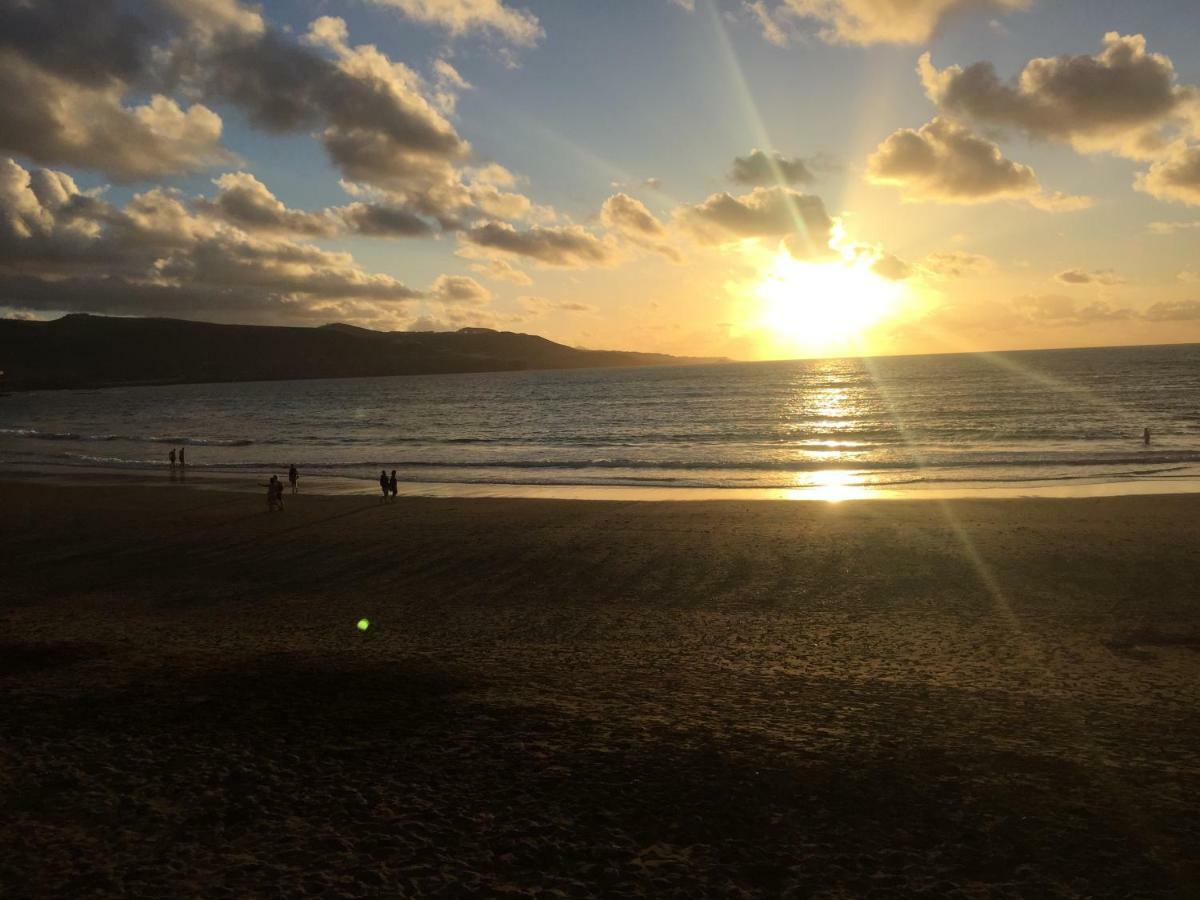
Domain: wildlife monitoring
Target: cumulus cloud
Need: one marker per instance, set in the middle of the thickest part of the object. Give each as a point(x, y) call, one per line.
point(945, 162)
point(623, 213)
point(632, 220)
point(886, 21)
point(459, 289)
point(759, 168)
point(244, 200)
point(1079, 276)
point(501, 270)
point(766, 212)
point(569, 246)
point(61, 249)
point(1122, 99)
point(462, 17)
point(1175, 177)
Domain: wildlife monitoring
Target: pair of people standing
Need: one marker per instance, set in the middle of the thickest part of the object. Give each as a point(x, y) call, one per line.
point(387, 484)
point(182, 459)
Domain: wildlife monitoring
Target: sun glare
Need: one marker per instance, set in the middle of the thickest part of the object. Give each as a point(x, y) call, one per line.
point(823, 307)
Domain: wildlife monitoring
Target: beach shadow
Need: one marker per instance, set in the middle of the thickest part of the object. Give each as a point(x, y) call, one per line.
point(400, 777)
point(23, 659)
point(1136, 643)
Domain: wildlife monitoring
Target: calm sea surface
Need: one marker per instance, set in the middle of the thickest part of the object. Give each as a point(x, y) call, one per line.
point(1012, 418)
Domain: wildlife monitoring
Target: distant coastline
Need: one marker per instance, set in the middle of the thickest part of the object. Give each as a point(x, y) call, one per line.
point(85, 351)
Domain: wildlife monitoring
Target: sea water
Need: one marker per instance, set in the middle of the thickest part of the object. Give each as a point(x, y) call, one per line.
point(1020, 418)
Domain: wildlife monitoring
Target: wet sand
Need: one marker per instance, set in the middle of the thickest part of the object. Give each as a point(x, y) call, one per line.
point(554, 698)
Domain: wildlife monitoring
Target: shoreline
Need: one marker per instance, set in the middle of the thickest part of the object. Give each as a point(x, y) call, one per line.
point(835, 489)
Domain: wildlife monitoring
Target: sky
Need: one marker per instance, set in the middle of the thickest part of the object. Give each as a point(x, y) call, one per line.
point(754, 179)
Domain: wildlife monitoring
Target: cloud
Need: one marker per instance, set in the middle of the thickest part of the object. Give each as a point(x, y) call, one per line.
point(1175, 177)
point(758, 168)
point(632, 220)
point(628, 216)
point(886, 21)
point(1120, 100)
point(459, 289)
point(766, 212)
point(245, 201)
point(772, 31)
point(891, 267)
point(944, 162)
point(463, 17)
point(956, 264)
point(1164, 228)
point(1058, 310)
point(568, 247)
point(61, 249)
point(541, 305)
point(501, 270)
point(1078, 276)
point(1173, 311)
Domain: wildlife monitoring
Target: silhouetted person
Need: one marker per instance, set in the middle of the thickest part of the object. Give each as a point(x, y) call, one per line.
point(384, 484)
point(1146, 436)
point(182, 462)
point(274, 494)
point(171, 456)
point(294, 477)
point(392, 484)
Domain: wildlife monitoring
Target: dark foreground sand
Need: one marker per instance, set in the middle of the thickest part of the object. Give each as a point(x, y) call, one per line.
point(614, 699)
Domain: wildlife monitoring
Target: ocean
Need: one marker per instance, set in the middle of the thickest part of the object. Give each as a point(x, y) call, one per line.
point(840, 427)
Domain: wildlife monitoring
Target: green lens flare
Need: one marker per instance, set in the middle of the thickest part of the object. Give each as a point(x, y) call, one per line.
point(364, 624)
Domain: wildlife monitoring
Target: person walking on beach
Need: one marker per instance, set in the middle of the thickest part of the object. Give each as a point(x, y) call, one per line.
point(384, 485)
point(294, 478)
point(392, 484)
point(171, 456)
point(181, 459)
point(274, 494)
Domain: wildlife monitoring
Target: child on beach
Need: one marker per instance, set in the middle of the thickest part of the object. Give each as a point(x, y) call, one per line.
point(274, 494)
point(294, 478)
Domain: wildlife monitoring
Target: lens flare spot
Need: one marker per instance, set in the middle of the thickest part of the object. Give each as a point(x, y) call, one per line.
point(364, 624)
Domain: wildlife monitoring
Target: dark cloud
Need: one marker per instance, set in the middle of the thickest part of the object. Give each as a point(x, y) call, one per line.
point(569, 246)
point(766, 212)
point(459, 289)
point(61, 249)
point(1175, 177)
point(759, 169)
point(945, 162)
point(1118, 100)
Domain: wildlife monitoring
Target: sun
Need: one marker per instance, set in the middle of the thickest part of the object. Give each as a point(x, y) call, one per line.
point(823, 307)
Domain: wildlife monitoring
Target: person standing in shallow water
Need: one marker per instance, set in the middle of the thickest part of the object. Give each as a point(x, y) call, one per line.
point(294, 477)
point(392, 484)
point(383, 484)
point(181, 458)
point(171, 456)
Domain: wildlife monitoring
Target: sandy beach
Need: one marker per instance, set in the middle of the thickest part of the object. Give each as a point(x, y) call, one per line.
point(569, 699)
